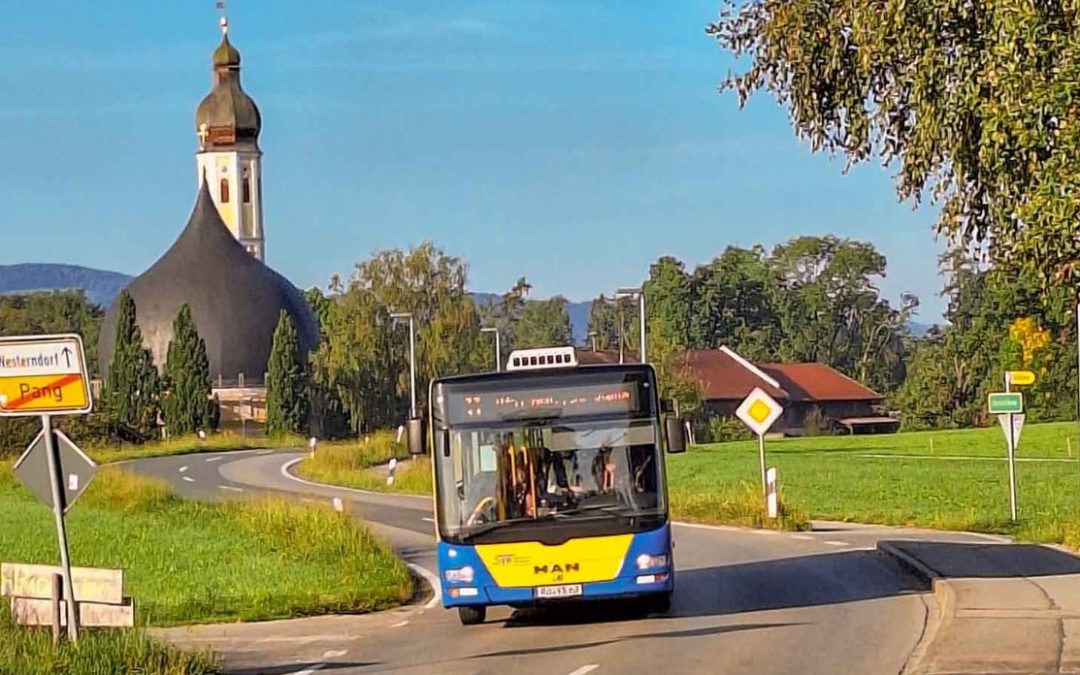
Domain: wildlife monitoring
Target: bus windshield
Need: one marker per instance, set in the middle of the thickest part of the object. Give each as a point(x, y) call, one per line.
point(562, 471)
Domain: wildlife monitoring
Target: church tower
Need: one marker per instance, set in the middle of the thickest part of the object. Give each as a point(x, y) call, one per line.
point(227, 124)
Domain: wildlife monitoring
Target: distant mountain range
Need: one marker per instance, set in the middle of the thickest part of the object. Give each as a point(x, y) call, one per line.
point(102, 287)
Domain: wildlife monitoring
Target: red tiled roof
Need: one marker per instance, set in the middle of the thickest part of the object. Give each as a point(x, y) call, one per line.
point(722, 377)
point(818, 382)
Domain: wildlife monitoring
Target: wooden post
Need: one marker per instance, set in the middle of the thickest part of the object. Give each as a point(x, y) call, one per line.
point(57, 585)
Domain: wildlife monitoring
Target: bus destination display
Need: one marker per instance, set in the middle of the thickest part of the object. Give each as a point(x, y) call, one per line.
point(607, 399)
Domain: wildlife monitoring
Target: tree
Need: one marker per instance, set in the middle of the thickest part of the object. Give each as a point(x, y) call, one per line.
point(736, 304)
point(974, 102)
point(544, 323)
point(286, 386)
point(132, 386)
point(669, 300)
point(187, 405)
point(430, 285)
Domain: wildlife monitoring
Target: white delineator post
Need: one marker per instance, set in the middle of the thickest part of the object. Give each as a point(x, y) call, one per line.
point(311, 446)
point(390, 467)
point(771, 501)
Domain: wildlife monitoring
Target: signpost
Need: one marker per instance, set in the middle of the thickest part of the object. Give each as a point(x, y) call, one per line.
point(46, 375)
point(759, 411)
point(1009, 407)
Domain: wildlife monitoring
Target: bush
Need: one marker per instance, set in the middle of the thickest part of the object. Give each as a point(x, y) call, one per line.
point(727, 429)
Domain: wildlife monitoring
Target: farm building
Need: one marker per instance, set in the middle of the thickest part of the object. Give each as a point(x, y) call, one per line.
point(805, 390)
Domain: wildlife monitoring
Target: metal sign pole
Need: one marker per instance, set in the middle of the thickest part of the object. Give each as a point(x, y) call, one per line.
point(761, 454)
point(1011, 439)
point(61, 530)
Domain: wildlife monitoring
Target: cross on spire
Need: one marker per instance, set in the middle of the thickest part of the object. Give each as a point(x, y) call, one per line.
point(224, 21)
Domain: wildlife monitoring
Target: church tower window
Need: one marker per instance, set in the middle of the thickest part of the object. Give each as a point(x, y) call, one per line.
point(224, 190)
point(246, 187)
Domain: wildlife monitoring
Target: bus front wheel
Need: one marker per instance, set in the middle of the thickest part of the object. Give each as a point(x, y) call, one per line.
point(470, 616)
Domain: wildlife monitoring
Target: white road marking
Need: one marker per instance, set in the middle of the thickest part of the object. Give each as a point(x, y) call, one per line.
point(189, 479)
point(230, 488)
point(333, 653)
point(585, 669)
point(183, 469)
point(399, 624)
point(293, 462)
point(836, 542)
point(803, 537)
point(716, 528)
point(264, 452)
point(428, 520)
point(767, 532)
point(214, 459)
point(309, 671)
point(970, 458)
point(432, 580)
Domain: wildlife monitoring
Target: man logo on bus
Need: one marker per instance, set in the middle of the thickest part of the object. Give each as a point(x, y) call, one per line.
point(556, 568)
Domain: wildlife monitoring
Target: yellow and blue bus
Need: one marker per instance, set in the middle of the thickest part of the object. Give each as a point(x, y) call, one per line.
point(550, 484)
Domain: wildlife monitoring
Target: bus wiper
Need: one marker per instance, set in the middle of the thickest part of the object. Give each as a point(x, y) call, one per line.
point(531, 415)
point(477, 530)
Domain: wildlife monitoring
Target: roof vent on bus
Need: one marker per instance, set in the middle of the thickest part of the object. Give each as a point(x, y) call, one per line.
point(548, 357)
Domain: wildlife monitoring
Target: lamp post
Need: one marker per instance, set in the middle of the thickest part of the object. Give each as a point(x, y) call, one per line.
point(498, 346)
point(638, 293)
point(401, 316)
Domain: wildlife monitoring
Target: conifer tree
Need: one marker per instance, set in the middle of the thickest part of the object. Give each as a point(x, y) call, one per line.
point(132, 386)
point(286, 386)
point(187, 407)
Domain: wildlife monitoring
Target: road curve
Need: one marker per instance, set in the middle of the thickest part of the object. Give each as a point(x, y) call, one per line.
point(745, 601)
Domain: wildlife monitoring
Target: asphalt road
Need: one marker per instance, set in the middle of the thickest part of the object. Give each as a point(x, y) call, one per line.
point(746, 601)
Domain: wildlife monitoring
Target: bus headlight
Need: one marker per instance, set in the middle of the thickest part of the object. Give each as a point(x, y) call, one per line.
point(646, 561)
point(463, 575)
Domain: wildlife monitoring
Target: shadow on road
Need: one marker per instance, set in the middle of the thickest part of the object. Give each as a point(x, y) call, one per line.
point(292, 668)
point(803, 581)
point(990, 561)
point(651, 635)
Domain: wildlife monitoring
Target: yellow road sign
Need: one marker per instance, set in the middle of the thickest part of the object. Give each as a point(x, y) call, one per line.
point(759, 411)
point(1021, 377)
point(42, 375)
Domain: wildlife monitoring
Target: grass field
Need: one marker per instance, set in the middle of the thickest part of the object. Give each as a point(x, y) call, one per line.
point(944, 479)
point(186, 445)
point(941, 479)
point(197, 562)
point(30, 652)
point(363, 465)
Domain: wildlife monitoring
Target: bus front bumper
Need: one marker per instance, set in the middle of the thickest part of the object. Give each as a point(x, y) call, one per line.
point(641, 584)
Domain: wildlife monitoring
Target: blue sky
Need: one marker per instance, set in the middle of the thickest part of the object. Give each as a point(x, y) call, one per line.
point(569, 141)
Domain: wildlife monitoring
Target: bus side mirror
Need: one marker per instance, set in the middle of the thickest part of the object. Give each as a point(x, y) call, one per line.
point(675, 430)
point(416, 436)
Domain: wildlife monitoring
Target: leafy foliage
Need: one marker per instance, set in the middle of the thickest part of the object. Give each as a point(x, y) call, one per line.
point(544, 323)
point(974, 102)
point(187, 406)
point(286, 386)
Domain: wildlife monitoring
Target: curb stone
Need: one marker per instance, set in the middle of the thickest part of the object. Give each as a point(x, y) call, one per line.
point(939, 615)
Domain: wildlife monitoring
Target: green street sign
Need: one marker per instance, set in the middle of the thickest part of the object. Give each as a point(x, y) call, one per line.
point(1004, 403)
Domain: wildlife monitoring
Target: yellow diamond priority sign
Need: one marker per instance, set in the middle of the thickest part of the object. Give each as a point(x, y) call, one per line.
point(43, 375)
point(759, 411)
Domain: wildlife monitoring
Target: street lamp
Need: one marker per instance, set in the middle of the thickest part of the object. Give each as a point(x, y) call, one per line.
point(401, 316)
point(498, 346)
point(640, 295)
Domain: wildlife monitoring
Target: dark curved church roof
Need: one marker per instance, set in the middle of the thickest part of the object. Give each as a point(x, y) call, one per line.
point(235, 300)
point(230, 115)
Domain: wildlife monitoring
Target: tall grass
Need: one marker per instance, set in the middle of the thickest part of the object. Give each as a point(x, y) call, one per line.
point(363, 465)
point(29, 651)
point(198, 562)
point(740, 504)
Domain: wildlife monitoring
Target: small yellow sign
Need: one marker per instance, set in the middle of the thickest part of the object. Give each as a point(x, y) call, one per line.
point(43, 375)
point(1021, 377)
point(759, 410)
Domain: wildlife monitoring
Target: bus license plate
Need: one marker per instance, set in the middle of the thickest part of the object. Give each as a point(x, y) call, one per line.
point(567, 591)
